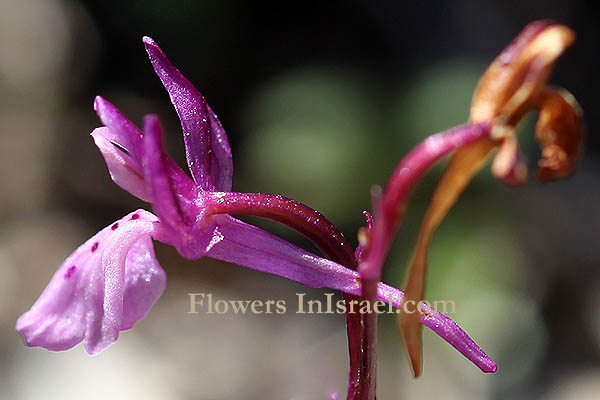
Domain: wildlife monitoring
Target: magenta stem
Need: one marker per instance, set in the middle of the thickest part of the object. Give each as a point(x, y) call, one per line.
point(362, 330)
point(390, 209)
point(297, 216)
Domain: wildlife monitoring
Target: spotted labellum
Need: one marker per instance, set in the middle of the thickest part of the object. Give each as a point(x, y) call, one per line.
point(112, 280)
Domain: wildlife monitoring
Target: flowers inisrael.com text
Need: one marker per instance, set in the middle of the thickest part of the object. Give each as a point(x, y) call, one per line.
point(209, 304)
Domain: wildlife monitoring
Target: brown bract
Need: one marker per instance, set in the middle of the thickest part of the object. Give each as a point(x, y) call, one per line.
point(559, 131)
point(513, 85)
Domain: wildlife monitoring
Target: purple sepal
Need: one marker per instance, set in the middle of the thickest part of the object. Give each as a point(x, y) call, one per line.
point(206, 146)
point(155, 171)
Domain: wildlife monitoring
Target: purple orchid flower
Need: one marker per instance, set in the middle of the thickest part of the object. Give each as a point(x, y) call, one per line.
point(112, 280)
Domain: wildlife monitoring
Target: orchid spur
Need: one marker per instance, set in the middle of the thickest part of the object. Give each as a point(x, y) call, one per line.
point(112, 280)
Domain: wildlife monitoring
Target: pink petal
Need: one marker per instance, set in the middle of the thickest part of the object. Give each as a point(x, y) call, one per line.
point(104, 287)
point(123, 131)
point(142, 269)
point(206, 146)
point(124, 170)
point(155, 170)
point(122, 146)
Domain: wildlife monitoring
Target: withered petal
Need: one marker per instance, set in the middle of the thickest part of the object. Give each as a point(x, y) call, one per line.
point(559, 131)
point(527, 60)
point(509, 165)
point(463, 165)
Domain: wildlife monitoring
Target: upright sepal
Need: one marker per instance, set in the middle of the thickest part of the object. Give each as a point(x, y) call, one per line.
point(206, 146)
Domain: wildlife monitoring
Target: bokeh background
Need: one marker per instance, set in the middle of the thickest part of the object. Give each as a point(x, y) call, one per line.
point(320, 100)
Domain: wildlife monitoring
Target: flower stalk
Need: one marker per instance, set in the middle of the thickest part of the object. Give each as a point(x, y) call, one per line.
point(392, 206)
point(361, 329)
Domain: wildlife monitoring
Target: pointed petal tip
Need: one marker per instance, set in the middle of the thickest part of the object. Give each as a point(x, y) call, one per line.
point(207, 149)
point(413, 344)
point(486, 365)
point(103, 107)
point(98, 100)
point(151, 46)
point(449, 330)
point(491, 368)
point(415, 368)
point(151, 119)
point(153, 129)
point(148, 40)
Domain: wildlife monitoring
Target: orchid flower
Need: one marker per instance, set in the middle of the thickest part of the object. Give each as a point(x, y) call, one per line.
point(112, 280)
point(514, 84)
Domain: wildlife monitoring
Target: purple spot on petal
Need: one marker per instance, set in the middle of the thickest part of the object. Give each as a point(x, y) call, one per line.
point(70, 272)
point(135, 216)
point(94, 247)
point(115, 226)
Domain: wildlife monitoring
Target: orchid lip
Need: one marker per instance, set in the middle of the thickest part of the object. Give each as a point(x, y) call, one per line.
point(107, 285)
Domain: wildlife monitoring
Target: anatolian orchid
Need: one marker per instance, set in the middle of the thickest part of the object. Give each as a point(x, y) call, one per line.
point(111, 281)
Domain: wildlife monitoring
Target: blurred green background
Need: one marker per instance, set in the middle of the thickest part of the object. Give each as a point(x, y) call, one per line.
point(320, 101)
